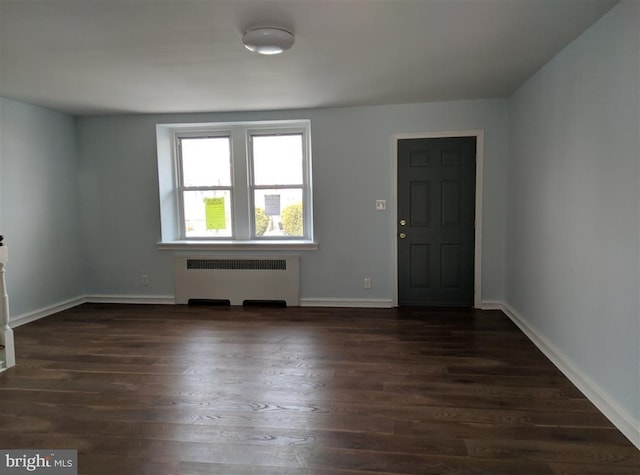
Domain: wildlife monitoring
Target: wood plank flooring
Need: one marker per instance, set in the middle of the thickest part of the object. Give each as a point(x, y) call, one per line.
point(146, 389)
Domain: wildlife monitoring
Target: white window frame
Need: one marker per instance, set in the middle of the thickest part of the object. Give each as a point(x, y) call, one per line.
point(181, 188)
point(306, 178)
point(173, 236)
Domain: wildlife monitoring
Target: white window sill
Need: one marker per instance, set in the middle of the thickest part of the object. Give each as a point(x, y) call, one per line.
point(238, 245)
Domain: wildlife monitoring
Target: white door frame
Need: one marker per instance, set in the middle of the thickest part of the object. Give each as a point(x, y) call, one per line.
point(479, 135)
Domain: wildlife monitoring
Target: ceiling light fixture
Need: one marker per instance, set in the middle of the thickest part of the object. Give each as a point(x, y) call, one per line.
point(267, 40)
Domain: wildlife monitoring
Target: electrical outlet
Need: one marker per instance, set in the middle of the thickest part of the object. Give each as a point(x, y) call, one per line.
point(145, 279)
point(367, 282)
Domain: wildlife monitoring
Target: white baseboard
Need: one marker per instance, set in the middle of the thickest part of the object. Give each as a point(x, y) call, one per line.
point(331, 302)
point(16, 321)
point(491, 305)
point(170, 300)
point(136, 299)
point(618, 416)
point(45, 311)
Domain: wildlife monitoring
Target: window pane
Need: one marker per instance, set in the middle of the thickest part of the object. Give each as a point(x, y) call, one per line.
point(206, 161)
point(277, 159)
point(279, 212)
point(207, 213)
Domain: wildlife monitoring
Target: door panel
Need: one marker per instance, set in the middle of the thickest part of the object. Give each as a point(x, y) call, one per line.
point(419, 266)
point(450, 259)
point(436, 203)
point(420, 203)
point(451, 201)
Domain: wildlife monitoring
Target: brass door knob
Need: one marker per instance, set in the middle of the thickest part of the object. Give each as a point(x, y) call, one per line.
point(403, 235)
point(403, 222)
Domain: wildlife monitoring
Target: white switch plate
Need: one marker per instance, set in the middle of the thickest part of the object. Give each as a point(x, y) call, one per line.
point(381, 205)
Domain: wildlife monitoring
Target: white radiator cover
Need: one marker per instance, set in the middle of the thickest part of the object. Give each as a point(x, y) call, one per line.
point(238, 279)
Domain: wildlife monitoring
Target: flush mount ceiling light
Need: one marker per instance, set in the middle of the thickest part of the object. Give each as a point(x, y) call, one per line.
point(267, 40)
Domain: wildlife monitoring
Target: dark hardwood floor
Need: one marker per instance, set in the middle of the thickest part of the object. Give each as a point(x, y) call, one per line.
point(146, 389)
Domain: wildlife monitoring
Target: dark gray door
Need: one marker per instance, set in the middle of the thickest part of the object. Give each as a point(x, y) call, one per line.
point(436, 221)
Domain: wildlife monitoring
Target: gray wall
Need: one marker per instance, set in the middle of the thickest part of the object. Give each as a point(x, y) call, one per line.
point(352, 167)
point(39, 206)
point(573, 206)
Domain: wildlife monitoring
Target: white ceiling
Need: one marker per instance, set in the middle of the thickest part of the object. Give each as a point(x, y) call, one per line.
point(112, 56)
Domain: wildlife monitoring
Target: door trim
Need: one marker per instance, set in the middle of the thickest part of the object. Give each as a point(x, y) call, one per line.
point(477, 271)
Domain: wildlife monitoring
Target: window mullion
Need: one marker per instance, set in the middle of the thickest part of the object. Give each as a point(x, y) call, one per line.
point(241, 200)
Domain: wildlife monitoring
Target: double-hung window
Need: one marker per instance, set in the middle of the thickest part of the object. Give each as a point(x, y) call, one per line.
point(277, 184)
point(239, 182)
point(205, 190)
